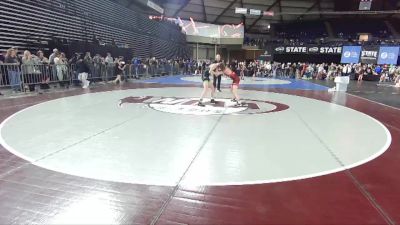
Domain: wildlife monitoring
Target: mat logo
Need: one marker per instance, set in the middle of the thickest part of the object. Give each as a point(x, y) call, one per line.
point(313, 49)
point(386, 55)
point(347, 54)
point(280, 49)
point(188, 106)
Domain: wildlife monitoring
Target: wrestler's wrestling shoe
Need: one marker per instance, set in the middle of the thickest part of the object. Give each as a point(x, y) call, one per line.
point(240, 104)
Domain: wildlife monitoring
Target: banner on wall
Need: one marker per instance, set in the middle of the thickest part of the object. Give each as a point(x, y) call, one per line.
point(266, 56)
point(193, 28)
point(388, 55)
point(307, 50)
point(351, 54)
point(369, 54)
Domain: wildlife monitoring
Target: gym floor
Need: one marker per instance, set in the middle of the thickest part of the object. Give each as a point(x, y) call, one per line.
point(145, 153)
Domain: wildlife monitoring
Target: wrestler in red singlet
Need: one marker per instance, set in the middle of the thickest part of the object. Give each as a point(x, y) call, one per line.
point(235, 84)
point(235, 78)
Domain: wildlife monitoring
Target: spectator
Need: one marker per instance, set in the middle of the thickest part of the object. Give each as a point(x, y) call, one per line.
point(397, 77)
point(384, 74)
point(53, 56)
point(95, 40)
point(1, 58)
point(135, 66)
point(30, 71)
point(51, 62)
point(13, 69)
point(368, 71)
point(119, 71)
point(268, 68)
point(378, 70)
point(346, 70)
point(41, 58)
point(392, 71)
point(61, 63)
point(308, 72)
point(44, 77)
point(153, 65)
point(83, 72)
point(181, 67)
point(242, 69)
point(321, 72)
point(103, 70)
point(96, 66)
point(113, 43)
point(89, 63)
point(109, 63)
point(1, 72)
point(287, 70)
point(359, 72)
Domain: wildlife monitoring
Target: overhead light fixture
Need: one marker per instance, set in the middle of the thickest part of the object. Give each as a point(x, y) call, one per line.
point(241, 10)
point(255, 12)
point(268, 13)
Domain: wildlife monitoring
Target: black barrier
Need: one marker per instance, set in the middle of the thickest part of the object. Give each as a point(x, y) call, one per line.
point(39, 76)
point(307, 58)
point(308, 49)
point(369, 54)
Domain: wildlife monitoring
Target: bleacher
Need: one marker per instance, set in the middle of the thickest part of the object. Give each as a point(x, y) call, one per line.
point(306, 30)
point(350, 29)
point(31, 24)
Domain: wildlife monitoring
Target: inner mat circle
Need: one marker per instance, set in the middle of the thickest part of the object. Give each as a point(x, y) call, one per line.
point(95, 136)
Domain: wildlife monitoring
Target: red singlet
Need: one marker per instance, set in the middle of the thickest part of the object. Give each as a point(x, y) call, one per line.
point(235, 78)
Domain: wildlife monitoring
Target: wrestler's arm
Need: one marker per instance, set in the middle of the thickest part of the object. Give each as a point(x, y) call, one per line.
point(213, 67)
point(213, 70)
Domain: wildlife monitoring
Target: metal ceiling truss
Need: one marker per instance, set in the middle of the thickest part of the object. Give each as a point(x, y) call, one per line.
point(224, 11)
point(180, 8)
point(316, 3)
point(259, 18)
point(204, 11)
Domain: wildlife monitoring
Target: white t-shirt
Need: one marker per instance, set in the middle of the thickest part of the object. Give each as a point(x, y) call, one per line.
point(57, 60)
point(346, 69)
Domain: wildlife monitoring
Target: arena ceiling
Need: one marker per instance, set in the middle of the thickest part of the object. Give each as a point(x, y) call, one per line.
point(223, 11)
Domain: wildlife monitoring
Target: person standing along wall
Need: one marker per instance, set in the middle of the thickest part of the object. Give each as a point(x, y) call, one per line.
point(61, 63)
point(96, 66)
point(53, 70)
point(83, 72)
point(28, 71)
point(109, 63)
point(89, 63)
point(13, 70)
point(120, 71)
